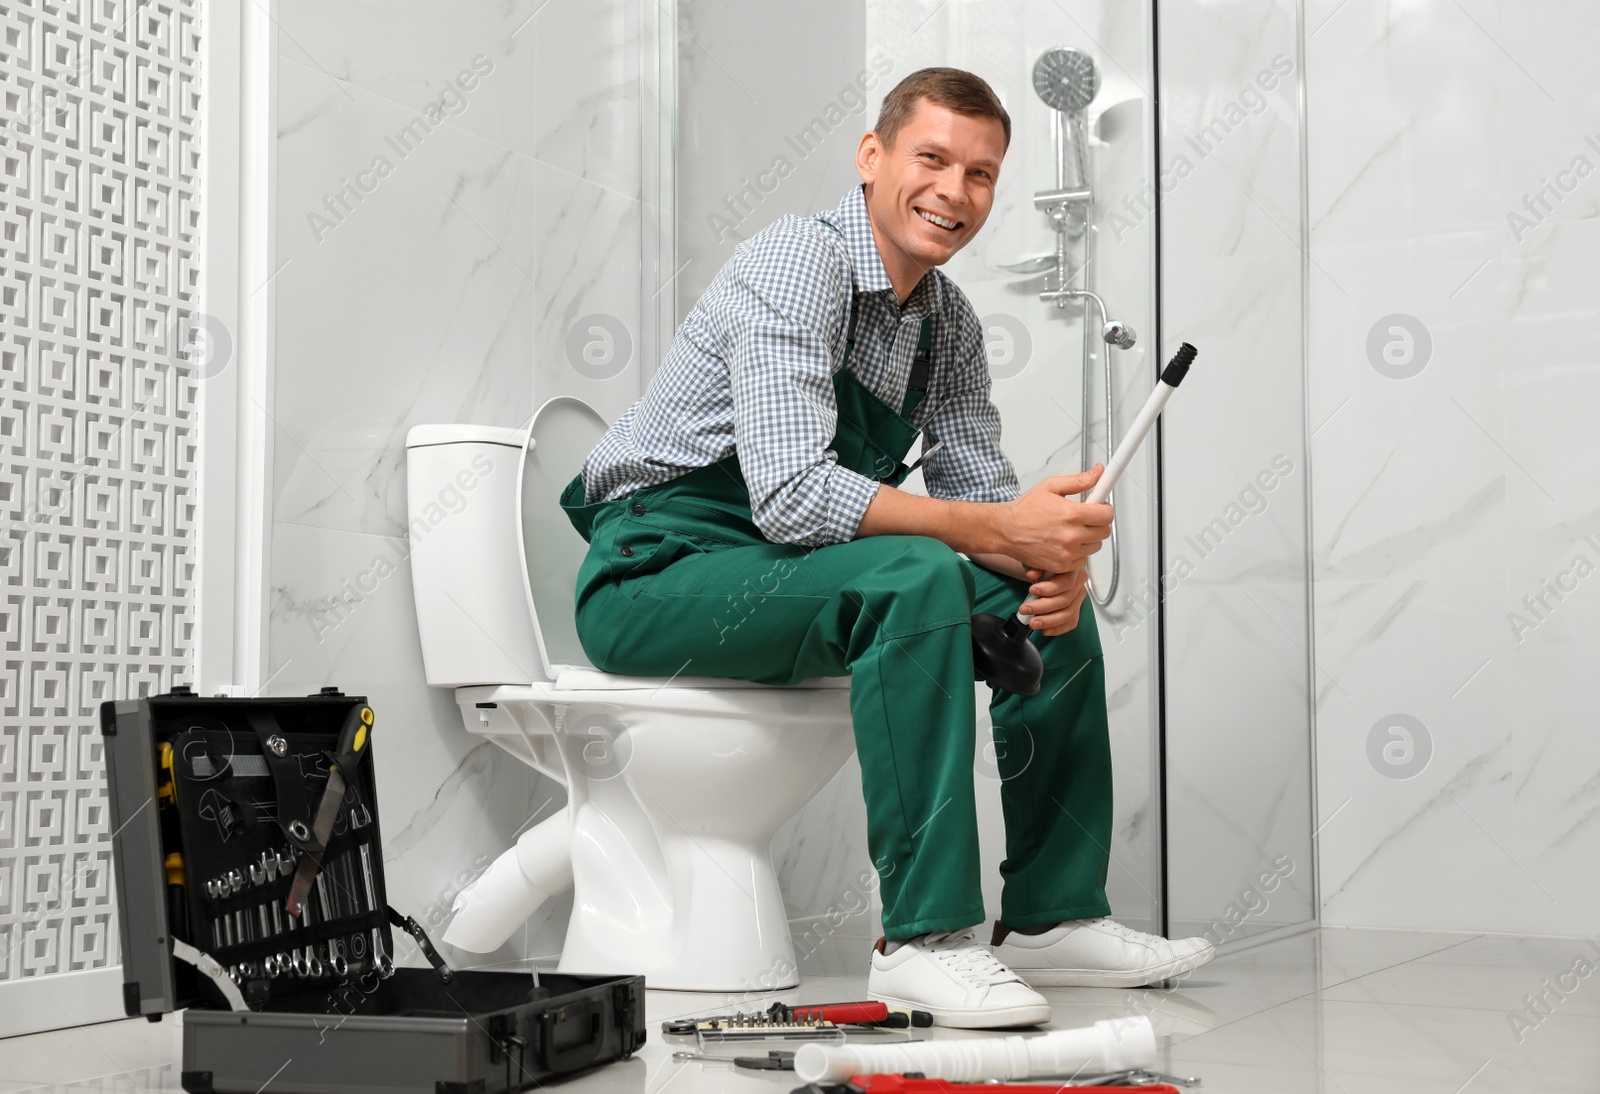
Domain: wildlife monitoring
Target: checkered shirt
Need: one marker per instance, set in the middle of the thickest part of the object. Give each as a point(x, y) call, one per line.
point(750, 372)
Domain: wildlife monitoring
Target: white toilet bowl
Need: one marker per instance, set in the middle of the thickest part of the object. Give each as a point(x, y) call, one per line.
point(675, 785)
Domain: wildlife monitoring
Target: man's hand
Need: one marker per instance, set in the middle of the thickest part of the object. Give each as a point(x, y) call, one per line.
point(1056, 610)
point(1047, 532)
point(1041, 532)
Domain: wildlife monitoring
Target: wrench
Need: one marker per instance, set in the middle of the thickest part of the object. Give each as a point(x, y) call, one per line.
point(326, 910)
point(366, 874)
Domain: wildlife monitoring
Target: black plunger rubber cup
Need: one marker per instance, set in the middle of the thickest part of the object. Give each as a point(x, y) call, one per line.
point(1003, 656)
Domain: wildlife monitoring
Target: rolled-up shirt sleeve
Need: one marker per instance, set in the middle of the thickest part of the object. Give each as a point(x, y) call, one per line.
point(781, 332)
point(971, 466)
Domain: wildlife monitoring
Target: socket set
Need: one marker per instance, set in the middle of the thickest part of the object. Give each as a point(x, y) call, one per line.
point(250, 894)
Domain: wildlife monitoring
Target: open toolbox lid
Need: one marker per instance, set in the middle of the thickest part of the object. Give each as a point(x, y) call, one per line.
point(214, 804)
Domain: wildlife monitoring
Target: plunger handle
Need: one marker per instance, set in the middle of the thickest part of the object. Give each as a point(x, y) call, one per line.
point(1171, 377)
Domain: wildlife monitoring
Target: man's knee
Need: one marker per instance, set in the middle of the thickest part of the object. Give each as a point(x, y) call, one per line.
point(926, 577)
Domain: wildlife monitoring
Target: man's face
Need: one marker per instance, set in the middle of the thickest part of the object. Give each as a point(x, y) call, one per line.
point(932, 190)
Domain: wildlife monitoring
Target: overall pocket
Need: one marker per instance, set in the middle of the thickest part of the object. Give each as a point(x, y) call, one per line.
point(701, 514)
point(642, 548)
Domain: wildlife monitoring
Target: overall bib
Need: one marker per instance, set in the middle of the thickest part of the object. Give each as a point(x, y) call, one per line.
point(678, 579)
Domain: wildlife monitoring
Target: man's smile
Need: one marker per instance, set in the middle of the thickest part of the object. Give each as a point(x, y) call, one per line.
point(938, 221)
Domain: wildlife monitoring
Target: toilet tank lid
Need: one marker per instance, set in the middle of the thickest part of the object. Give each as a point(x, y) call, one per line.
point(421, 436)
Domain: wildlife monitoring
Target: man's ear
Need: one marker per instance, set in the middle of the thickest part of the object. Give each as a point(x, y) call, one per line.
point(868, 153)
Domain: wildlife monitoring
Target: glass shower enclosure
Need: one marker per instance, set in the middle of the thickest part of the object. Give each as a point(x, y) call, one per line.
point(762, 107)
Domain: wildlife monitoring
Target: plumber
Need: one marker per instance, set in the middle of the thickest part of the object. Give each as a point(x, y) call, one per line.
point(757, 481)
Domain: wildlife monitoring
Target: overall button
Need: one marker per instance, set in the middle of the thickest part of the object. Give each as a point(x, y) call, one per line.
point(627, 552)
point(638, 510)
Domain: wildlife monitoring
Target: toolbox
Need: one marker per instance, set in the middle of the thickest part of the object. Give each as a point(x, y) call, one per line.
point(250, 893)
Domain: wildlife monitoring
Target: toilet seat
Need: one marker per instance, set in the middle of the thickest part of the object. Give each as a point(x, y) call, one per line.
point(552, 550)
point(575, 678)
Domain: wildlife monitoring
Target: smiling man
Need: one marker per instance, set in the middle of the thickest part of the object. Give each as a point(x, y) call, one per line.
point(744, 520)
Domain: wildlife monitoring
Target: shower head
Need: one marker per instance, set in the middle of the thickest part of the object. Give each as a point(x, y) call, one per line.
point(1066, 79)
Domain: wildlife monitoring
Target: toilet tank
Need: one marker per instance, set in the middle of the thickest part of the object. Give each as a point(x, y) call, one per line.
point(466, 556)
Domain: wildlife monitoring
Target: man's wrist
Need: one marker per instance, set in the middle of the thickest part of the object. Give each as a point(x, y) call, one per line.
point(976, 526)
point(967, 526)
point(990, 516)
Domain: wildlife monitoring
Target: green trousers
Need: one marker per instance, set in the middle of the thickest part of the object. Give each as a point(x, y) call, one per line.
point(672, 586)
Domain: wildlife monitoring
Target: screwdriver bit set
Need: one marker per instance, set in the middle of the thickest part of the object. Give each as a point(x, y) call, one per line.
point(250, 891)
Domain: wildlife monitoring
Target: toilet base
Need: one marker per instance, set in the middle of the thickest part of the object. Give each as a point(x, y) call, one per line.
point(725, 930)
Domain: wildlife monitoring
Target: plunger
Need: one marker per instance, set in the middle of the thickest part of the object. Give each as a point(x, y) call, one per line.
point(1001, 652)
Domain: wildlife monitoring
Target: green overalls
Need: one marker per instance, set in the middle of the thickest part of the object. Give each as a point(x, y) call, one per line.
point(678, 579)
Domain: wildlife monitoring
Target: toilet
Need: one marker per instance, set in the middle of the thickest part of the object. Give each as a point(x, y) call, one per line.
point(675, 785)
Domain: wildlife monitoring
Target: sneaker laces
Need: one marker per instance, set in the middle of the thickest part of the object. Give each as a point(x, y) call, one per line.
point(1125, 932)
point(1121, 930)
point(972, 961)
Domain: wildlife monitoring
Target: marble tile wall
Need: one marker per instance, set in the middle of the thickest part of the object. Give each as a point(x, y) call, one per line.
point(1454, 325)
point(459, 206)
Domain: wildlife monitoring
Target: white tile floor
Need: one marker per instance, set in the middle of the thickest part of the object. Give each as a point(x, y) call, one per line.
point(1328, 1011)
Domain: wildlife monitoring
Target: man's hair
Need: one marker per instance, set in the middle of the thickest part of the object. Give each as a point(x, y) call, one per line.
point(952, 88)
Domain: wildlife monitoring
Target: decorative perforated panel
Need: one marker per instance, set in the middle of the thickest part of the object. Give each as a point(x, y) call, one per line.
point(99, 220)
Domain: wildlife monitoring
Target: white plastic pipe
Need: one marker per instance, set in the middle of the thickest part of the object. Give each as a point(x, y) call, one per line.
point(1171, 377)
point(535, 868)
point(1116, 1044)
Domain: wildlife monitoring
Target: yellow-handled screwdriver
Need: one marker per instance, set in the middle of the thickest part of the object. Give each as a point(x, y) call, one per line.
point(354, 736)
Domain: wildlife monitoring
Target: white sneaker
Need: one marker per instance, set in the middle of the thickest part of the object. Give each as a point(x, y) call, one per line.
point(1100, 953)
point(957, 980)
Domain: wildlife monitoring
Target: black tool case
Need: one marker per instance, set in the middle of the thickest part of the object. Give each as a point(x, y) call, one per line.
point(212, 807)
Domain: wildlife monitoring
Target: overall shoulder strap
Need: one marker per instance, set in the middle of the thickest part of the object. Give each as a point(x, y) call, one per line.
point(922, 363)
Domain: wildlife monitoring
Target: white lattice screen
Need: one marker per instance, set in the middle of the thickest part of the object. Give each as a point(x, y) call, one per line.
point(99, 251)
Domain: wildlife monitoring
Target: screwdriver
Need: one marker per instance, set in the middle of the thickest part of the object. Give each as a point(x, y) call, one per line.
point(870, 1013)
point(176, 908)
point(354, 737)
